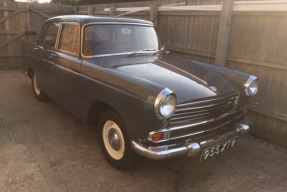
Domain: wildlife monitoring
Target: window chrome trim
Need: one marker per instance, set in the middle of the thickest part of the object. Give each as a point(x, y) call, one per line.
point(58, 35)
point(116, 23)
point(106, 23)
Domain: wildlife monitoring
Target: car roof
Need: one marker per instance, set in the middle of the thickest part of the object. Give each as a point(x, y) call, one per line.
point(83, 19)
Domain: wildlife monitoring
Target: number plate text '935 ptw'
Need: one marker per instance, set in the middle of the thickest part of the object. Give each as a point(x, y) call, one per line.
point(217, 149)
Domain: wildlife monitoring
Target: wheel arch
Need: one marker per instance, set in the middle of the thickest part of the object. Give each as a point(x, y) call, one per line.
point(95, 111)
point(30, 72)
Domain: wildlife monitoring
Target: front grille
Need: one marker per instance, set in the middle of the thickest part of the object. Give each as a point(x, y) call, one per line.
point(207, 128)
point(206, 110)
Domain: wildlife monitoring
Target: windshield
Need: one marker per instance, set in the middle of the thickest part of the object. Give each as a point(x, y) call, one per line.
point(102, 39)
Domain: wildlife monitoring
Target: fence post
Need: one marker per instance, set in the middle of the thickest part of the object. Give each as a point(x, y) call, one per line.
point(113, 10)
point(154, 14)
point(75, 10)
point(7, 25)
point(90, 10)
point(223, 32)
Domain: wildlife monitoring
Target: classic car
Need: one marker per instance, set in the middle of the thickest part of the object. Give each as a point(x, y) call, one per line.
point(115, 74)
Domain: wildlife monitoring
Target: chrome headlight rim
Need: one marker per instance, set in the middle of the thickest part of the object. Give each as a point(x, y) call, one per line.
point(252, 80)
point(161, 96)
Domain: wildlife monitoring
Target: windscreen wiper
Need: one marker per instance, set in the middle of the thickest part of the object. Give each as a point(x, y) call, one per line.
point(162, 50)
point(142, 52)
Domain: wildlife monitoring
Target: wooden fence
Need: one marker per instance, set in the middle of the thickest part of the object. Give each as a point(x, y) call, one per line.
point(18, 19)
point(255, 43)
point(245, 40)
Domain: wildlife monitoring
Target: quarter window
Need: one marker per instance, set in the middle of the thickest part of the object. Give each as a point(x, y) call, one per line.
point(50, 36)
point(70, 38)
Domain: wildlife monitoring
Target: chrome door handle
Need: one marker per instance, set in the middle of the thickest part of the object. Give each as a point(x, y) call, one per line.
point(35, 49)
point(52, 56)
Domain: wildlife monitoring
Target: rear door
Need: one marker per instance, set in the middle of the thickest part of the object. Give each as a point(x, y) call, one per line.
point(45, 65)
point(67, 64)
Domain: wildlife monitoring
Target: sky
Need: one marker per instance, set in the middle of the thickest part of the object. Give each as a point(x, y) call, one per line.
point(40, 1)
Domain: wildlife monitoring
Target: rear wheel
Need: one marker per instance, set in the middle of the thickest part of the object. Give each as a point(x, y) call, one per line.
point(114, 141)
point(40, 95)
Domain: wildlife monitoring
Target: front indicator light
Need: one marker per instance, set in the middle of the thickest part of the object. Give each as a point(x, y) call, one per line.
point(156, 137)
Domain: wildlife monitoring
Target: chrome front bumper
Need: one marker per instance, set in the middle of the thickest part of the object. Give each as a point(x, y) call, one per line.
point(189, 148)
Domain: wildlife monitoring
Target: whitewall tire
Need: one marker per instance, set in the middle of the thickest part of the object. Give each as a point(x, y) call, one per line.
point(114, 141)
point(40, 95)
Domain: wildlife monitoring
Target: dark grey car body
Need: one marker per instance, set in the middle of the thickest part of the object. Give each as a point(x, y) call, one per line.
point(130, 85)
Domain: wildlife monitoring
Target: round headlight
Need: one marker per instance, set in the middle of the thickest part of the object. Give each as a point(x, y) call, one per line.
point(251, 86)
point(165, 103)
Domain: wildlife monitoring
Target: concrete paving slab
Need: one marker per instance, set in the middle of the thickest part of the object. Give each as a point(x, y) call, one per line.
point(69, 157)
point(19, 171)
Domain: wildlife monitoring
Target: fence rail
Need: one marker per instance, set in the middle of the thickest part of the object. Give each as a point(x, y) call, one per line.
point(253, 38)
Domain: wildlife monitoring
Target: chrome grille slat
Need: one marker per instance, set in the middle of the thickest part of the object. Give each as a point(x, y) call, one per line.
point(198, 119)
point(207, 113)
point(204, 110)
point(206, 106)
point(206, 130)
point(205, 101)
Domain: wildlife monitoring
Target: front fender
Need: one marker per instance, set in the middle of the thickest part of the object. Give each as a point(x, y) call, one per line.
point(130, 97)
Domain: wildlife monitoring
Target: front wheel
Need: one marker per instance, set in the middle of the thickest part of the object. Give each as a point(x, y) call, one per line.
point(114, 141)
point(40, 95)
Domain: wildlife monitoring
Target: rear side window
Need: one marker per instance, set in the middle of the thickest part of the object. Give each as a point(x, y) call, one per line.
point(50, 36)
point(70, 38)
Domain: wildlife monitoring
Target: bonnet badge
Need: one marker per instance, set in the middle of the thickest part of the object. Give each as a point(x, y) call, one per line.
point(213, 88)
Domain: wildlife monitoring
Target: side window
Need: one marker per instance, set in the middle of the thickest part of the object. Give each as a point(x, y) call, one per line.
point(70, 38)
point(50, 36)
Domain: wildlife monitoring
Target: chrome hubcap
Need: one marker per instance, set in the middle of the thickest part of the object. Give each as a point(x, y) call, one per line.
point(114, 139)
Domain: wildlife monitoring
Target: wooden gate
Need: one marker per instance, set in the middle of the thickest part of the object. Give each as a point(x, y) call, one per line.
point(20, 20)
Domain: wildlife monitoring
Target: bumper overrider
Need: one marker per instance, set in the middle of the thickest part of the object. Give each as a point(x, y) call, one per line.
point(189, 148)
